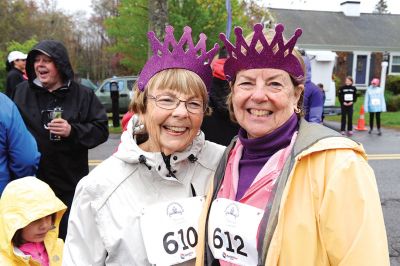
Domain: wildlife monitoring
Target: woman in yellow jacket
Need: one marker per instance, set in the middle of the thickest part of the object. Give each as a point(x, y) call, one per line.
point(30, 216)
point(287, 192)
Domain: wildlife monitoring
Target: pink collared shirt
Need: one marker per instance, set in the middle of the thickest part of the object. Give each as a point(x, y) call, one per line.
point(259, 192)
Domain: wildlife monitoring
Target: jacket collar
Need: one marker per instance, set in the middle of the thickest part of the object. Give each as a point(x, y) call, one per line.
point(65, 86)
point(130, 152)
point(313, 137)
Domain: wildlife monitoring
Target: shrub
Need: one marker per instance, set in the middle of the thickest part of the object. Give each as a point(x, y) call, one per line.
point(393, 103)
point(393, 84)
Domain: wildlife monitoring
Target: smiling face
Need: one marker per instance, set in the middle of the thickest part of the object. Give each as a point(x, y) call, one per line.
point(263, 100)
point(47, 73)
point(36, 231)
point(172, 130)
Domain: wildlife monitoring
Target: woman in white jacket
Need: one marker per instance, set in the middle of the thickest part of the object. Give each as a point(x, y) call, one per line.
point(141, 205)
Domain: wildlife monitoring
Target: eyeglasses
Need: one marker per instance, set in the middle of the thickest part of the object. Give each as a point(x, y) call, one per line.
point(170, 102)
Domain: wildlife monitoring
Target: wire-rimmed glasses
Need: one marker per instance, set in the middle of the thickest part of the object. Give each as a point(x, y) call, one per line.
point(170, 102)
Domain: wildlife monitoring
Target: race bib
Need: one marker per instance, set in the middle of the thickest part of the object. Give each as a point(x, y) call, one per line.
point(348, 97)
point(170, 230)
point(375, 101)
point(232, 231)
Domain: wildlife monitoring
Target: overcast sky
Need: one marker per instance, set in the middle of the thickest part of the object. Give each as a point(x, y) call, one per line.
point(367, 6)
point(75, 5)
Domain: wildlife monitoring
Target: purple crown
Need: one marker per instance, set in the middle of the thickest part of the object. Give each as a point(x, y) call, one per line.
point(282, 58)
point(183, 55)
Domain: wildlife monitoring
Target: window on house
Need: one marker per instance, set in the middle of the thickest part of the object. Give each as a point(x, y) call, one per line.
point(395, 64)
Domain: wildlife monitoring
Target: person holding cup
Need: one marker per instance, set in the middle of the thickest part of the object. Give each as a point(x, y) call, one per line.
point(63, 140)
point(48, 116)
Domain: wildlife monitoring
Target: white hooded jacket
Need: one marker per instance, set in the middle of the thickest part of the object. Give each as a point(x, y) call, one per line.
point(104, 224)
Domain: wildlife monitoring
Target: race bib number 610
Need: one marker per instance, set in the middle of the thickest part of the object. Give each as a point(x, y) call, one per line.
point(170, 230)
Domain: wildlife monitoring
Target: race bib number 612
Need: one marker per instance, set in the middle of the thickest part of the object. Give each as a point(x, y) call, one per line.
point(232, 231)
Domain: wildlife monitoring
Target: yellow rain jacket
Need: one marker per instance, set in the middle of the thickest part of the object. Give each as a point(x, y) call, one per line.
point(326, 209)
point(22, 202)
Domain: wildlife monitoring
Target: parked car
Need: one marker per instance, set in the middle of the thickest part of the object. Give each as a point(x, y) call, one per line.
point(125, 85)
point(88, 83)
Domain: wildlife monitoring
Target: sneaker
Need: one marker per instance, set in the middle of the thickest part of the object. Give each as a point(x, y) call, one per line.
point(343, 133)
point(350, 133)
point(379, 132)
point(370, 131)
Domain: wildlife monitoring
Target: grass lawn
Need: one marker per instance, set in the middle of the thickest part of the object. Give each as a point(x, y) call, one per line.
point(388, 119)
point(114, 130)
point(111, 129)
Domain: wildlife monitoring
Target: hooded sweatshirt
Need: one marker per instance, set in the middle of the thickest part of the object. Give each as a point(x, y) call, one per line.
point(24, 201)
point(65, 162)
point(374, 100)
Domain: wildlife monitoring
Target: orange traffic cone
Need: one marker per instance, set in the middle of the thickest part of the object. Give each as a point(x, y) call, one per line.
point(361, 121)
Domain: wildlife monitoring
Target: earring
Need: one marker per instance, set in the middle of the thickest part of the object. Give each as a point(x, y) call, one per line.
point(137, 126)
point(297, 110)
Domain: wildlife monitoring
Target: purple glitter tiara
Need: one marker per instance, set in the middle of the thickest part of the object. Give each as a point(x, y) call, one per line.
point(266, 58)
point(193, 58)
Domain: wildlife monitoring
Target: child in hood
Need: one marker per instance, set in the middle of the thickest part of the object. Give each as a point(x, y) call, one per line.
point(30, 217)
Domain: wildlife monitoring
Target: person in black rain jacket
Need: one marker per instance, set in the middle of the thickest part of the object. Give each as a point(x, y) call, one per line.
point(83, 124)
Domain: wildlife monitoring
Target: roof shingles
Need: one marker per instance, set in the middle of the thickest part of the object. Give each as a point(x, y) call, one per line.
point(335, 31)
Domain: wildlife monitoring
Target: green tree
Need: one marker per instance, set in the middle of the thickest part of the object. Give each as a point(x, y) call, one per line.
point(129, 27)
point(206, 16)
point(24, 47)
point(16, 21)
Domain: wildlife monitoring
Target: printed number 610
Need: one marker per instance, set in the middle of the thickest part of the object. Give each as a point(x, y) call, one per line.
point(171, 245)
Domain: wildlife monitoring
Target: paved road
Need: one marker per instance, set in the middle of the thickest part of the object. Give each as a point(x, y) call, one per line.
point(384, 157)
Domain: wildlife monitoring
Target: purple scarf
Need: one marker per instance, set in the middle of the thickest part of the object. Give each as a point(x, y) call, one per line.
point(256, 152)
